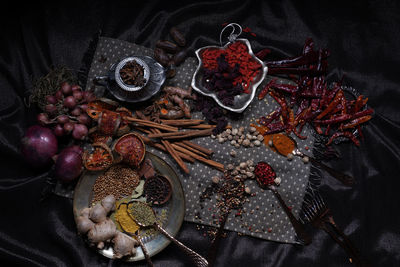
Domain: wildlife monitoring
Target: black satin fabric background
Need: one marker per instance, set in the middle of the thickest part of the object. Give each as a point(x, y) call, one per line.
point(364, 40)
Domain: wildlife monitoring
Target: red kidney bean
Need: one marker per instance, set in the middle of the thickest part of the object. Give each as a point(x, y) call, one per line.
point(161, 57)
point(177, 36)
point(167, 46)
point(179, 57)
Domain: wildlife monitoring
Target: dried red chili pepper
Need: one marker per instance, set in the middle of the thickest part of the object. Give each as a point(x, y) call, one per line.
point(262, 54)
point(266, 88)
point(346, 134)
point(356, 122)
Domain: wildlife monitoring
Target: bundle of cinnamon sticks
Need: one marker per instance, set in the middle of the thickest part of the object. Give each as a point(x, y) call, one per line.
point(170, 136)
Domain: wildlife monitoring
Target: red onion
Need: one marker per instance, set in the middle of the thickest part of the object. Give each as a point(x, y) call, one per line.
point(62, 119)
point(76, 87)
point(68, 127)
point(76, 112)
point(58, 130)
point(59, 95)
point(51, 99)
point(68, 165)
point(77, 95)
point(76, 149)
point(43, 119)
point(39, 145)
point(69, 102)
point(89, 96)
point(66, 88)
point(80, 131)
point(51, 109)
point(83, 107)
point(84, 119)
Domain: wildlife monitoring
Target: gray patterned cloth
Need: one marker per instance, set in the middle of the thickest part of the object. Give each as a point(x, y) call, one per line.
point(264, 218)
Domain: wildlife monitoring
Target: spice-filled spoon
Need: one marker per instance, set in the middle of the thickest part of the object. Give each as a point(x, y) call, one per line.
point(287, 146)
point(265, 176)
point(145, 216)
point(135, 235)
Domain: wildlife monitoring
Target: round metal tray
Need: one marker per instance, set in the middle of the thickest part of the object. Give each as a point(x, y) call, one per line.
point(174, 208)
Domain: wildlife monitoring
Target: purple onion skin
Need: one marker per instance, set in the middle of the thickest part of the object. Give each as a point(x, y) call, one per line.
point(66, 88)
point(68, 165)
point(80, 131)
point(84, 119)
point(38, 146)
point(59, 95)
point(58, 130)
point(76, 87)
point(51, 99)
point(69, 102)
point(43, 119)
point(75, 148)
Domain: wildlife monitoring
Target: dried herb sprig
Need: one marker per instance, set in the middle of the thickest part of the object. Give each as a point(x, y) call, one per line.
point(49, 84)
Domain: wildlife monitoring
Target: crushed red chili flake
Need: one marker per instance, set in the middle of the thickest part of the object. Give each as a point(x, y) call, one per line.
point(265, 175)
point(235, 53)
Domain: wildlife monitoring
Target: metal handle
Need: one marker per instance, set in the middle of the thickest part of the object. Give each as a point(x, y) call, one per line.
point(341, 177)
point(145, 252)
point(298, 227)
point(196, 258)
point(212, 252)
point(101, 80)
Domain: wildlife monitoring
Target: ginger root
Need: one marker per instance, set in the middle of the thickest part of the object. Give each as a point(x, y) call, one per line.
point(124, 245)
point(101, 229)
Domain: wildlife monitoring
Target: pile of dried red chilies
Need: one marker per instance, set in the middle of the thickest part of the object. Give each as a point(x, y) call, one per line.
point(327, 109)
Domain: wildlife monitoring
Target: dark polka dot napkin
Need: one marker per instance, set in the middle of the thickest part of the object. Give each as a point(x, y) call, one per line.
point(264, 217)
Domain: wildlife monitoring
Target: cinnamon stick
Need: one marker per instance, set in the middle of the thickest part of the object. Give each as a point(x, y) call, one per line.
point(207, 151)
point(152, 124)
point(172, 151)
point(183, 122)
point(159, 146)
point(181, 144)
point(205, 132)
point(181, 134)
point(210, 162)
point(205, 126)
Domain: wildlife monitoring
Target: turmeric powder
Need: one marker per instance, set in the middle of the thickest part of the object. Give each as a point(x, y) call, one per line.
point(124, 220)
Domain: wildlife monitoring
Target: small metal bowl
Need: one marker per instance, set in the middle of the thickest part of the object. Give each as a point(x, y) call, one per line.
point(120, 82)
point(241, 101)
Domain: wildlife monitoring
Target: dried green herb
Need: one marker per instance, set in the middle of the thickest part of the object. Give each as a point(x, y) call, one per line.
point(142, 213)
point(49, 84)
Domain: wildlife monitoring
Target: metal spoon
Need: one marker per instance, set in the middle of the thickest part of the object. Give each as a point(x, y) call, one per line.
point(297, 225)
point(343, 178)
point(145, 216)
point(139, 239)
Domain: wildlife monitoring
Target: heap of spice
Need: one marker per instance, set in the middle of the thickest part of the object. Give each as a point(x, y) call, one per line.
point(142, 213)
point(157, 189)
point(265, 175)
point(119, 181)
point(283, 144)
point(236, 54)
point(132, 73)
point(125, 221)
